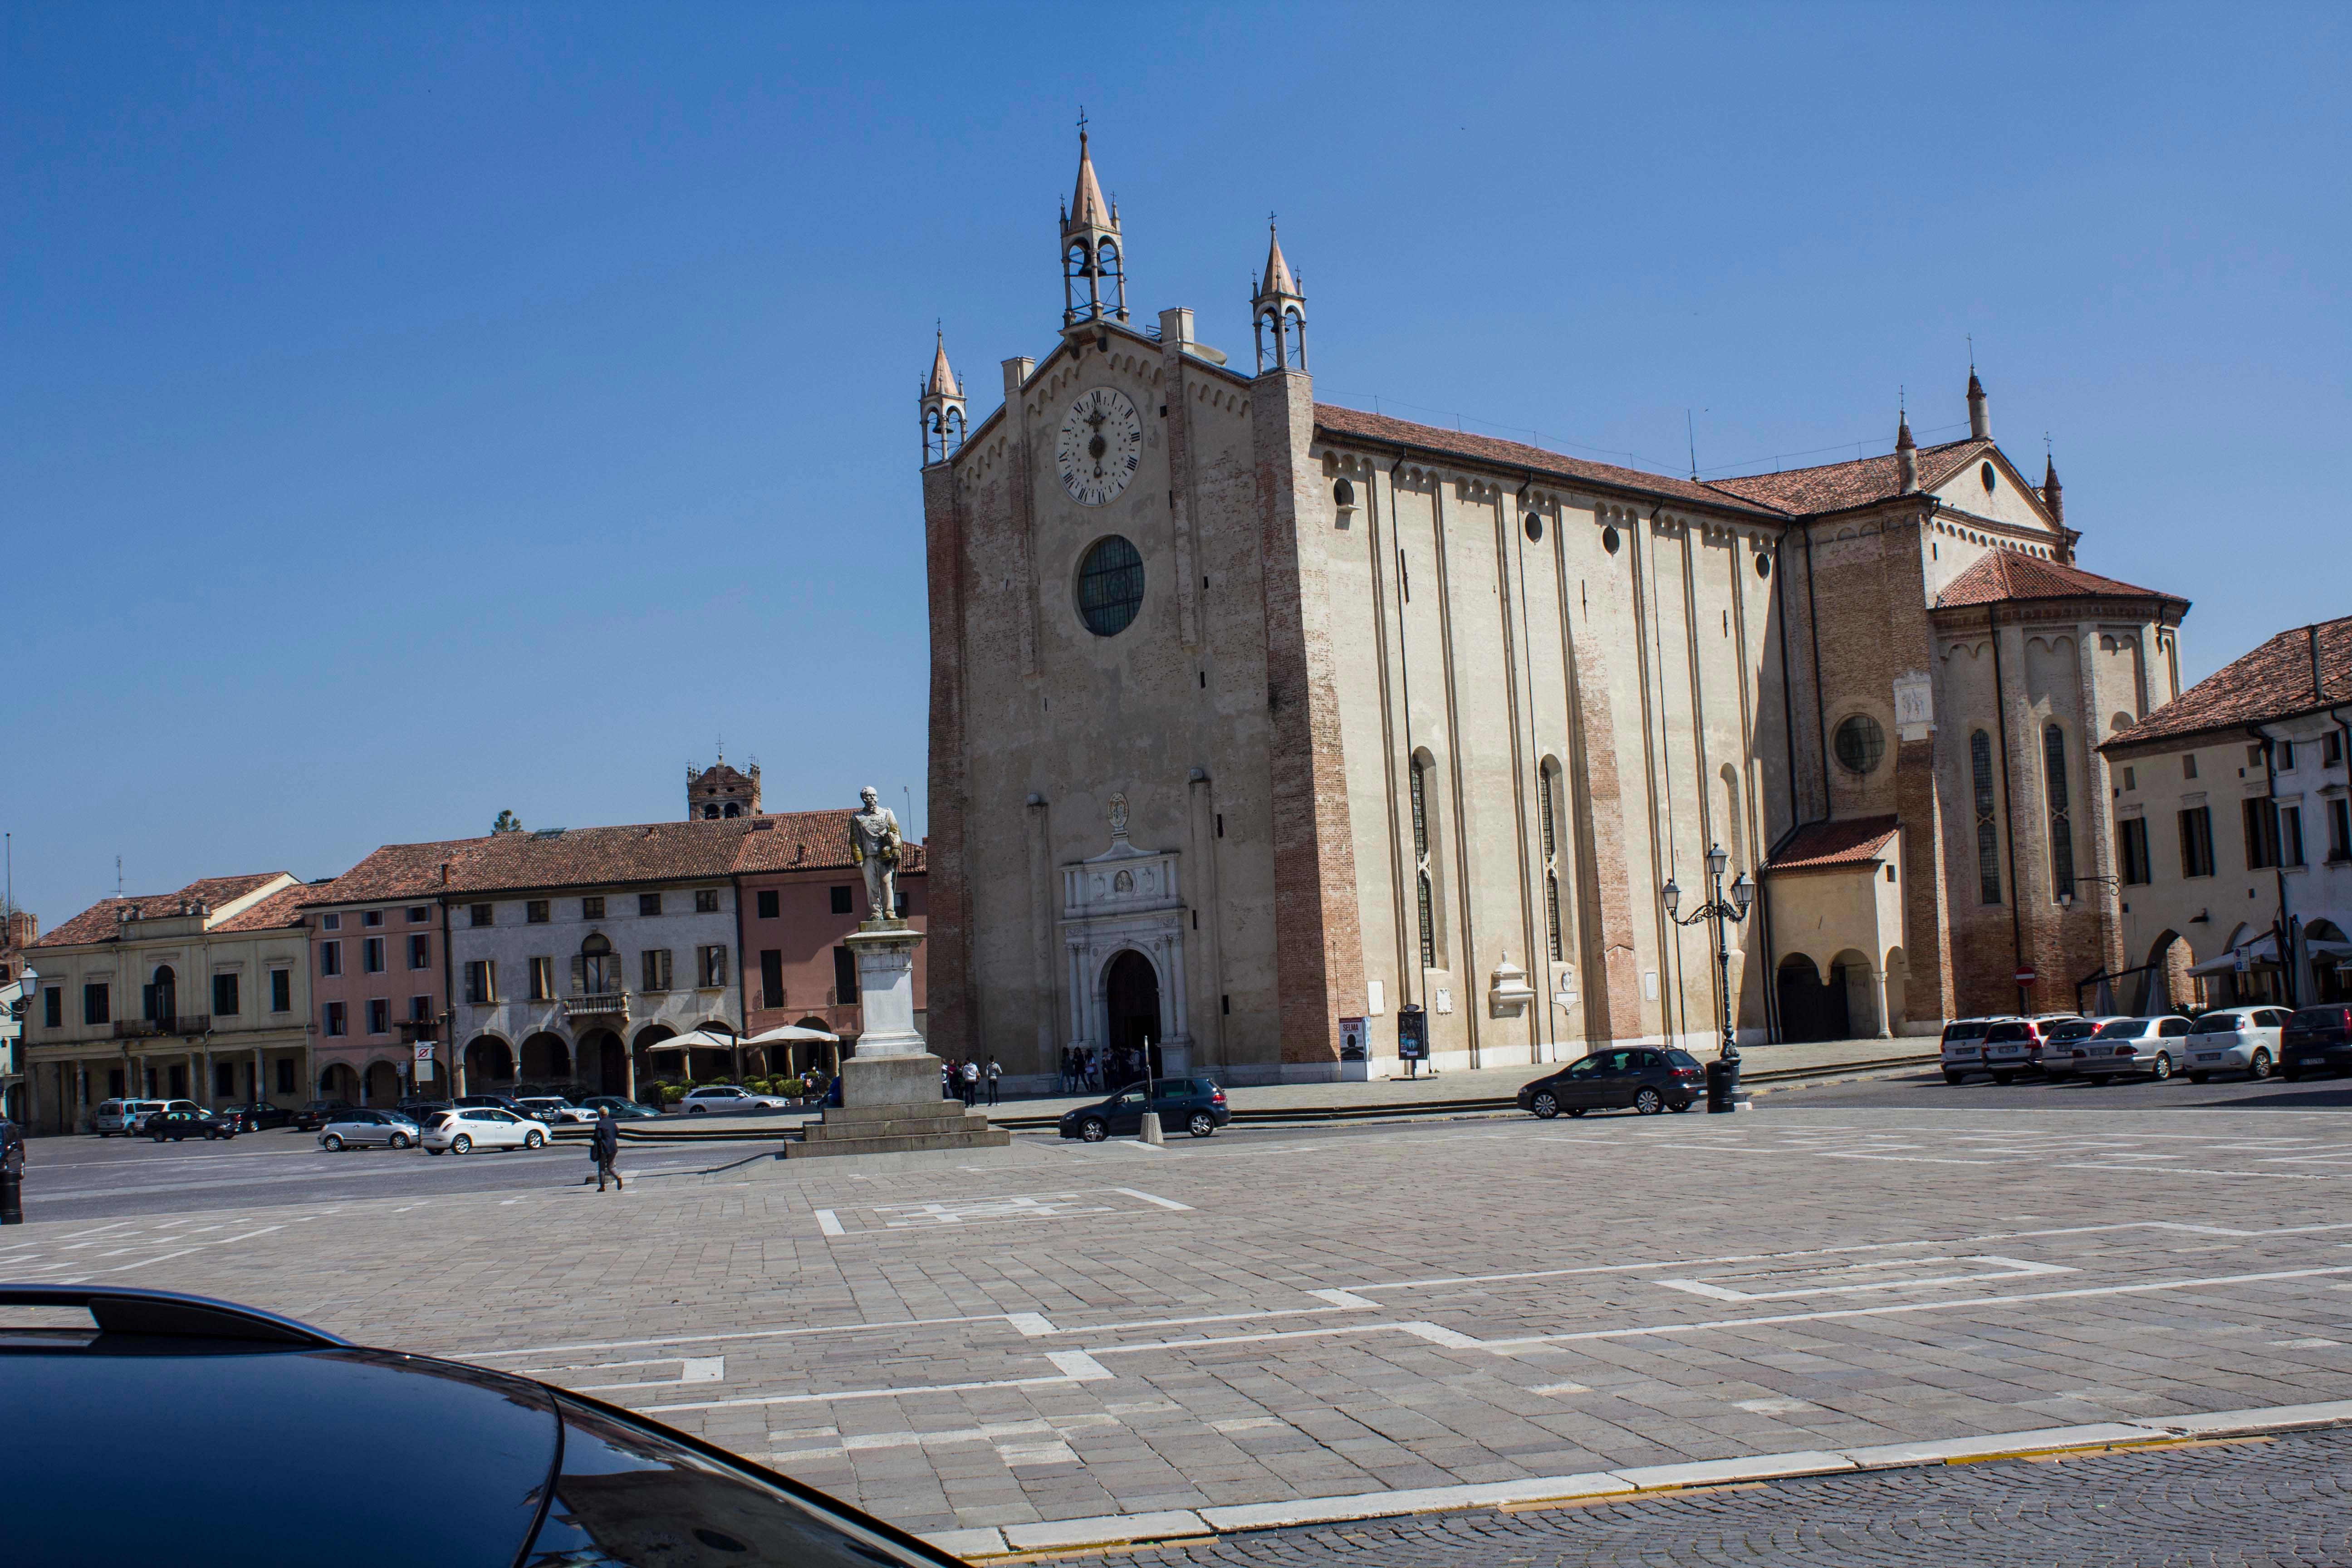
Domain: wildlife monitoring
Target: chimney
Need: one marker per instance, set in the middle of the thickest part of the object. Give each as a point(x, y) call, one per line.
point(1016, 375)
point(1176, 327)
point(1979, 420)
point(2318, 684)
point(1906, 454)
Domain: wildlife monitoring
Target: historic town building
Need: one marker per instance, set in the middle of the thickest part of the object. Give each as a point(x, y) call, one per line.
point(199, 995)
point(1254, 716)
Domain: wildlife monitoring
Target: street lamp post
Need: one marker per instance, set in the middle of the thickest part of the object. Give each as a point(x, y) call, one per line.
point(1723, 1074)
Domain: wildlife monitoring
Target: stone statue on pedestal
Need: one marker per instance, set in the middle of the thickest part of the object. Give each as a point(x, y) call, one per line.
point(873, 843)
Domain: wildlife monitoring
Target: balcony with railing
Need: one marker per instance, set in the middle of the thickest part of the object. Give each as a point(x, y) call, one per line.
point(153, 1029)
point(596, 1003)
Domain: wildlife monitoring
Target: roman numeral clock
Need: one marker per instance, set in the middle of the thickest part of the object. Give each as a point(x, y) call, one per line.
point(1100, 447)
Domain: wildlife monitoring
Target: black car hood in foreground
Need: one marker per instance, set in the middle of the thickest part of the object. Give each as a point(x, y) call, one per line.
point(228, 1449)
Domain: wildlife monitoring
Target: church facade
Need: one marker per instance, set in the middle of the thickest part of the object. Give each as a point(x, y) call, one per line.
point(1258, 725)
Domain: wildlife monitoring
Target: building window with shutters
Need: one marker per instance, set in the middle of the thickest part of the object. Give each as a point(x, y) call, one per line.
point(281, 991)
point(225, 996)
point(1988, 836)
point(1548, 815)
point(2197, 841)
point(542, 979)
point(420, 951)
point(2339, 831)
point(648, 903)
point(711, 964)
point(2061, 827)
point(335, 1021)
point(481, 914)
point(844, 976)
point(379, 1017)
point(771, 977)
point(330, 958)
point(591, 908)
point(97, 1005)
point(2262, 829)
point(705, 901)
point(655, 963)
point(2290, 831)
point(767, 904)
point(481, 981)
point(371, 954)
point(2131, 849)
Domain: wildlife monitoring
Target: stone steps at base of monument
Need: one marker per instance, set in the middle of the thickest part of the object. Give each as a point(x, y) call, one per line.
point(868, 1139)
point(864, 1122)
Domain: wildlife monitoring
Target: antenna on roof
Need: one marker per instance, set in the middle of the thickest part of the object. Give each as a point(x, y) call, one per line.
point(1690, 432)
point(1972, 354)
point(118, 876)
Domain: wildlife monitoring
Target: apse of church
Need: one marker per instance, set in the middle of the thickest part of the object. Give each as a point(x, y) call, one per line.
point(1268, 717)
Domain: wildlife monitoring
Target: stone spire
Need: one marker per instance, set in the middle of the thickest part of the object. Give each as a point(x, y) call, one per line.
point(1282, 305)
point(1094, 263)
point(2054, 494)
point(1906, 454)
point(1979, 420)
point(941, 407)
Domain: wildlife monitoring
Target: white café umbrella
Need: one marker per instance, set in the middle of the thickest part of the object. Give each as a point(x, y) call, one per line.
point(790, 1033)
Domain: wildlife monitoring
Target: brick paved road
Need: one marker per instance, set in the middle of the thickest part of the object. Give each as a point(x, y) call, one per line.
point(1271, 1316)
point(2284, 1501)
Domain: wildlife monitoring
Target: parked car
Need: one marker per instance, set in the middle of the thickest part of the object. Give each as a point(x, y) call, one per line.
point(2316, 1039)
point(206, 1395)
point(124, 1116)
point(2062, 1035)
point(188, 1123)
point(2012, 1046)
point(471, 1127)
point(258, 1117)
point(729, 1097)
point(1647, 1081)
point(319, 1112)
point(1195, 1104)
point(621, 1109)
point(2120, 1047)
point(365, 1128)
point(147, 1122)
point(421, 1112)
point(486, 1102)
point(553, 1109)
point(1963, 1048)
point(2236, 1039)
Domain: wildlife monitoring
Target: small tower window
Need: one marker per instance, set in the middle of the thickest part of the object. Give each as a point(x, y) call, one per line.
point(1343, 494)
point(2062, 833)
point(1860, 743)
point(1988, 475)
point(1988, 841)
point(1609, 540)
point(1533, 523)
point(1763, 565)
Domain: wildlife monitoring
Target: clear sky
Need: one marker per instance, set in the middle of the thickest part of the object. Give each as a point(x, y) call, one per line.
point(415, 411)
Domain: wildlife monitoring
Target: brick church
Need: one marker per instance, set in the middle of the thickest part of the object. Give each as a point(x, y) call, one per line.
point(1257, 721)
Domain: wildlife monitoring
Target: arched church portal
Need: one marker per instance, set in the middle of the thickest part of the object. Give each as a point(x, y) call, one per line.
point(1131, 1005)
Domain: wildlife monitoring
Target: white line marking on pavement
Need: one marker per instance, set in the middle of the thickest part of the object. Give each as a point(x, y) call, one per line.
point(864, 1393)
point(1146, 1197)
point(1078, 1366)
point(1561, 1388)
point(1139, 1143)
point(692, 1369)
point(2188, 1171)
point(1030, 1324)
point(2012, 1267)
point(829, 1223)
point(1437, 1334)
point(1346, 1299)
point(2306, 1344)
point(1248, 1424)
point(739, 1335)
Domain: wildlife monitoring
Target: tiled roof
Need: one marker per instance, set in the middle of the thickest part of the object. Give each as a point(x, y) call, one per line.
point(99, 922)
point(282, 907)
point(2272, 683)
point(1834, 487)
point(1828, 846)
point(2007, 574)
point(393, 871)
point(1341, 423)
point(809, 840)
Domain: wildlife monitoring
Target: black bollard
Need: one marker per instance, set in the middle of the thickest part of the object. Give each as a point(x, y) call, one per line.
point(11, 1190)
point(1722, 1085)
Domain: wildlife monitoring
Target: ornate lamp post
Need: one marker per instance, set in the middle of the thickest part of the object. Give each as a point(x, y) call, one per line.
point(1723, 1075)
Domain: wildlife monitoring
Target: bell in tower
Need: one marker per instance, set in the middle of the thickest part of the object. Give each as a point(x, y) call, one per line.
point(1094, 276)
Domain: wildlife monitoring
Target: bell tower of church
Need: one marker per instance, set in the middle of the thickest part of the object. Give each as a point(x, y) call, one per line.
point(942, 410)
point(1094, 256)
point(1281, 305)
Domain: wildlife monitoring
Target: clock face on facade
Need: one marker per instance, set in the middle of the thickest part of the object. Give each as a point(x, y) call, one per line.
point(1100, 447)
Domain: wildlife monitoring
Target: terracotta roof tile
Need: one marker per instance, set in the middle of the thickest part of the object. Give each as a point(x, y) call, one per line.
point(98, 923)
point(1834, 487)
point(2007, 574)
point(1829, 846)
point(393, 871)
point(1341, 423)
point(2273, 681)
point(809, 840)
point(282, 907)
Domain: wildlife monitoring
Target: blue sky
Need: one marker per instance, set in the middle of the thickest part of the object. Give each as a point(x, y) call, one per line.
point(412, 412)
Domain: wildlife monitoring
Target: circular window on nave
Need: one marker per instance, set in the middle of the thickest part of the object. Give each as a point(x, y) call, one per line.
point(1110, 586)
point(1860, 743)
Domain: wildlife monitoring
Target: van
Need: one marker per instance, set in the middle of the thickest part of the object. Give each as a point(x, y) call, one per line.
point(124, 1116)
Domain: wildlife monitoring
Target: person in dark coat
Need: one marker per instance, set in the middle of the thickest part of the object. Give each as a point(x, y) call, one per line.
point(604, 1144)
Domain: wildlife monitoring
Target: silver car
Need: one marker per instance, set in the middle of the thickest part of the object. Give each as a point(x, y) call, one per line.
point(367, 1128)
point(124, 1116)
point(553, 1109)
point(2121, 1047)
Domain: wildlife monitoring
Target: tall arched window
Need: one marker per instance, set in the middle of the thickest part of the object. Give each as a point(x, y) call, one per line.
point(1988, 838)
point(1732, 815)
point(2061, 832)
point(1548, 810)
point(1422, 890)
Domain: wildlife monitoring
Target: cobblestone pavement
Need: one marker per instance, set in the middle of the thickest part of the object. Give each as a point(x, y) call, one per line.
point(2284, 1501)
point(1270, 1316)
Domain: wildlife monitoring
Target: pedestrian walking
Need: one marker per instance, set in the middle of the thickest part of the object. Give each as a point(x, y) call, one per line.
point(995, 1072)
point(947, 1078)
point(605, 1146)
point(970, 1084)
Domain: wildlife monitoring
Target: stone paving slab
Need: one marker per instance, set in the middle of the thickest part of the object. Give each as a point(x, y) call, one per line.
point(1270, 1317)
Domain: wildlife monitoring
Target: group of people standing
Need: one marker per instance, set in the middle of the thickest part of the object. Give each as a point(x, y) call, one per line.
point(964, 1080)
point(1098, 1068)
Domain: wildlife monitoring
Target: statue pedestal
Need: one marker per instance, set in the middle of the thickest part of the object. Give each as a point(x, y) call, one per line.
point(890, 1099)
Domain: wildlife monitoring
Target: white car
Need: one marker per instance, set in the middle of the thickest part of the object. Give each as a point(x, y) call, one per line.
point(2156, 1047)
point(365, 1128)
point(553, 1109)
point(482, 1127)
point(124, 1116)
point(729, 1097)
point(1963, 1047)
point(2236, 1039)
